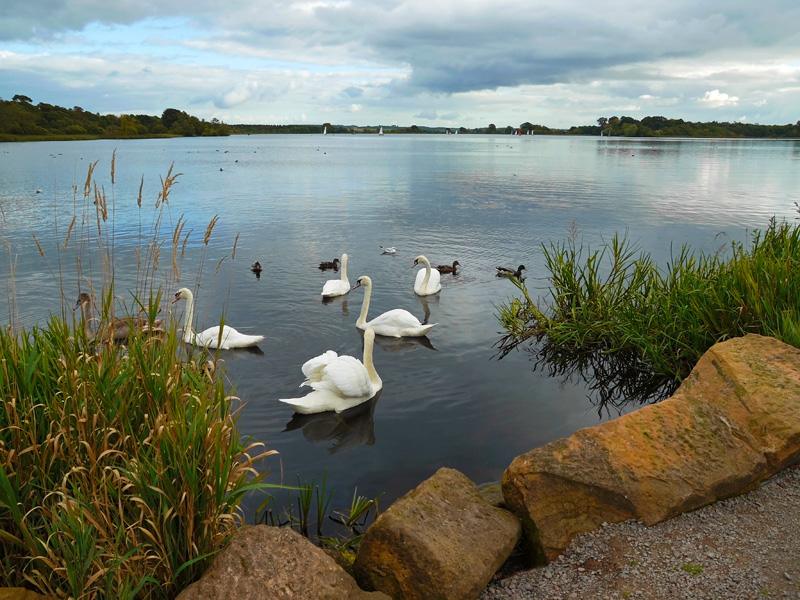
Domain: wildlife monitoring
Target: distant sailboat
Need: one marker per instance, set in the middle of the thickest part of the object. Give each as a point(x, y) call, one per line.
point(325, 130)
point(381, 131)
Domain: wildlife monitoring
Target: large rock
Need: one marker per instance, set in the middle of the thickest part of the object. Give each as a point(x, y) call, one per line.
point(18, 593)
point(734, 422)
point(440, 540)
point(275, 563)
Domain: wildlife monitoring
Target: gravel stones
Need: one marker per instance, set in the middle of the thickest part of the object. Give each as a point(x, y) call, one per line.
point(741, 548)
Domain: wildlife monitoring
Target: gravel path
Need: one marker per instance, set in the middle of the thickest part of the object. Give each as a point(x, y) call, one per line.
point(743, 548)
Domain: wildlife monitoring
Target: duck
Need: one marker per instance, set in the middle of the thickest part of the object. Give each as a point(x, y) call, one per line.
point(334, 264)
point(256, 267)
point(337, 287)
point(448, 268)
point(397, 322)
point(506, 272)
point(427, 281)
point(212, 337)
point(388, 250)
point(117, 330)
point(338, 382)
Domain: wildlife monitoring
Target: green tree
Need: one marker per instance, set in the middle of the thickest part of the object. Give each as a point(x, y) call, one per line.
point(171, 116)
point(492, 128)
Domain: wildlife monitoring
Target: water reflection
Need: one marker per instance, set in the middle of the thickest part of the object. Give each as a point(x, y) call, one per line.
point(615, 380)
point(426, 301)
point(337, 300)
point(348, 429)
point(401, 345)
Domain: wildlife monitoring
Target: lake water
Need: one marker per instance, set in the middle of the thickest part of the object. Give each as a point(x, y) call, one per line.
point(297, 200)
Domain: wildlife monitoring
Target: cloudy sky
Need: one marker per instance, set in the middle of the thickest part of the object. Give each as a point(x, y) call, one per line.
point(427, 62)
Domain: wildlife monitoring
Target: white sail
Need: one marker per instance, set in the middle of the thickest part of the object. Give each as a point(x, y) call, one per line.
point(325, 130)
point(381, 131)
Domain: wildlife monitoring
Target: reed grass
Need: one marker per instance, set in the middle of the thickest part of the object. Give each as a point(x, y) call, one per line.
point(616, 299)
point(121, 467)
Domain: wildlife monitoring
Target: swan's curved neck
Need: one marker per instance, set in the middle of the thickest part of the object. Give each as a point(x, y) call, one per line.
point(427, 272)
point(344, 269)
point(374, 378)
point(362, 318)
point(188, 334)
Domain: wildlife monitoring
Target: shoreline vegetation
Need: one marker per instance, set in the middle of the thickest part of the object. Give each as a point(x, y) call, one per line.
point(23, 121)
point(616, 301)
point(122, 469)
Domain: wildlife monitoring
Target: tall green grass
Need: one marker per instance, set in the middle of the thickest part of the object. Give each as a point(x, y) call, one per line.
point(121, 467)
point(616, 299)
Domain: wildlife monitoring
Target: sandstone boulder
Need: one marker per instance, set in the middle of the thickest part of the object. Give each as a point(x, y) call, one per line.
point(734, 422)
point(276, 563)
point(18, 593)
point(440, 540)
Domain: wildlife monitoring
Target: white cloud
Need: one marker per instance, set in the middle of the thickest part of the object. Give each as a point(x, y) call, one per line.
point(717, 99)
point(479, 62)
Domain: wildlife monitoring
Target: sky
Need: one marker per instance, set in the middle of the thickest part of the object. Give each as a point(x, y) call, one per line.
point(438, 63)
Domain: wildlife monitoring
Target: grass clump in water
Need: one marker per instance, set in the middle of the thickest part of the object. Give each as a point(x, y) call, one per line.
point(617, 299)
point(121, 469)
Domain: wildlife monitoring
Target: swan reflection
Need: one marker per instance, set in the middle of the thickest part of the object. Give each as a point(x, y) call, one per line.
point(348, 429)
point(426, 301)
point(338, 300)
point(401, 345)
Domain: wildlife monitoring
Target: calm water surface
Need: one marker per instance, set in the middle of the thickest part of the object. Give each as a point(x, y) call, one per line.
point(297, 200)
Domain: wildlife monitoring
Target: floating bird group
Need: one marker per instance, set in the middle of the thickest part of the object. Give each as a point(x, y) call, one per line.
point(337, 382)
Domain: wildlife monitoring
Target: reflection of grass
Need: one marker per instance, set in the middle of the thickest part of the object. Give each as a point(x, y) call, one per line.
point(615, 301)
point(121, 468)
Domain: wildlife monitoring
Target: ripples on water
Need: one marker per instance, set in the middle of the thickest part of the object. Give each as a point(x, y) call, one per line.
point(298, 200)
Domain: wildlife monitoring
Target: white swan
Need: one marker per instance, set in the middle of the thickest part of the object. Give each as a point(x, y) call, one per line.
point(427, 281)
point(394, 323)
point(389, 250)
point(339, 382)
point(211, 337)
point(337, 287)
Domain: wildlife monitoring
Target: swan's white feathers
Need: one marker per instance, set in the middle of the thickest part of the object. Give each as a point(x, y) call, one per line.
point(433, 284)
point(323, 401)
point(211, 338)
point(339, 382)
point(346, 376)
point(337, 287)
point(397, 322)
point(231, 338)
point(313, 367)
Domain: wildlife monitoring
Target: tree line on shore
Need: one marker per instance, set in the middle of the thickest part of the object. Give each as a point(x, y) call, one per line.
point(21, 120)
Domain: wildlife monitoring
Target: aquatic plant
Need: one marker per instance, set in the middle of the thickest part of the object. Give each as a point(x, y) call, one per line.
point(616, 299)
